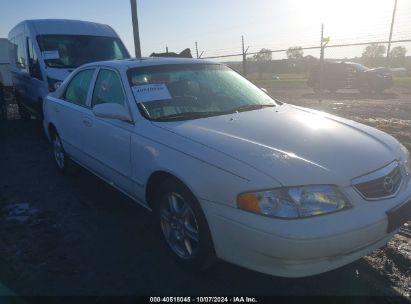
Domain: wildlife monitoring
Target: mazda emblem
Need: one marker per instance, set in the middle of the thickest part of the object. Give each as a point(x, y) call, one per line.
point(388, 184)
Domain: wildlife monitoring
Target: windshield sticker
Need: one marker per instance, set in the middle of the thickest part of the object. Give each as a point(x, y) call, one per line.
point(49, 55)
point(151, 92)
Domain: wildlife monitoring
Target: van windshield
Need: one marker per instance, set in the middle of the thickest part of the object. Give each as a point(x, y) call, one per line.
point(71, 51)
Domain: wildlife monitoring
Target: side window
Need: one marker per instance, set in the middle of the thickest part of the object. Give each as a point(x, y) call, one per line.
point(21, 52)
point(34, 65)
point(108, 89)
point(78, 87)
point(13, 51)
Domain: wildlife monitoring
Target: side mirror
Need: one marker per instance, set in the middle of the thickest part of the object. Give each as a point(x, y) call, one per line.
point(113, 111)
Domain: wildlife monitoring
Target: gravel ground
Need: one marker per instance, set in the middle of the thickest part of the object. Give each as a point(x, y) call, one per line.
point(75, 235)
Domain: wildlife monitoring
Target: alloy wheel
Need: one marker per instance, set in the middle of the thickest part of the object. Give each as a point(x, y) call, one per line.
point(179, 225)
point(58, 152)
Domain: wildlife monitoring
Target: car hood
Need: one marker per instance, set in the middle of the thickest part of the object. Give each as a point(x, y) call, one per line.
point(293, 145)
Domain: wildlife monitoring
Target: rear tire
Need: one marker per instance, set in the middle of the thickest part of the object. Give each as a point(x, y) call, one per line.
point(183, 226)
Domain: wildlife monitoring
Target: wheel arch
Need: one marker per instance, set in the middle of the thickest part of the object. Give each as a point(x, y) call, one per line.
point(156, 179)
point(51, 129)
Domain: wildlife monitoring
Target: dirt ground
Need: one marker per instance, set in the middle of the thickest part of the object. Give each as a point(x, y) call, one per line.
point(75, 235)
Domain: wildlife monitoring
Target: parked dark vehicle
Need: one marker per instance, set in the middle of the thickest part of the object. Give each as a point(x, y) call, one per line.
point(350, 75)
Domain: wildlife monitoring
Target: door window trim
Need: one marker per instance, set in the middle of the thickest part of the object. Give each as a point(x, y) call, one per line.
point(126, 100)
point(88, 98)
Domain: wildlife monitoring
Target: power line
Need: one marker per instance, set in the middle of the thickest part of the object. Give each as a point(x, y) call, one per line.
point(311, 48)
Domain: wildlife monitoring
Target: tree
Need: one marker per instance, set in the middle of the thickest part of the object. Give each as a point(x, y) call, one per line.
point(261, 59)
point(295, 53)
point(373, 54)
point(397, 56)
point(398, 52)
point(262, 55)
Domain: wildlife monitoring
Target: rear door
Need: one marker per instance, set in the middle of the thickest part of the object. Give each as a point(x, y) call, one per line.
point(70, 112)
point(107, 141)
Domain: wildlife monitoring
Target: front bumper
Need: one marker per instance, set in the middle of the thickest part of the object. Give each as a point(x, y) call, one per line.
point(304, 247)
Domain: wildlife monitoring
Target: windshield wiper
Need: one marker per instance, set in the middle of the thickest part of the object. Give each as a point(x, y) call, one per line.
point(251, 107)
point(188, 115)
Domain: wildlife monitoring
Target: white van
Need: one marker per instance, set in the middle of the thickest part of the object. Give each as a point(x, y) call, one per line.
point(44, 52)
point(6, 84)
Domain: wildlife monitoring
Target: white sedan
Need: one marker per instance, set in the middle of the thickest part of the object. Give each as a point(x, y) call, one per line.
point(229, 172)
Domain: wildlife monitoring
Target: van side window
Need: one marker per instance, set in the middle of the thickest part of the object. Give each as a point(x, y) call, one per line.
point(108, 89)
point(78, 88)
point(34, 65)
point(12, 51)
point(21, 52)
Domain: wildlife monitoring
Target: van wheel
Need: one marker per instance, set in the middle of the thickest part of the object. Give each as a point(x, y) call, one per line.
point(61, 158)
point(183, 226)
point(3, 105)
point(24, 113)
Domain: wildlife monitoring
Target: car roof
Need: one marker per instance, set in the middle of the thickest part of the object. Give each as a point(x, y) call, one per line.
point(126, 64)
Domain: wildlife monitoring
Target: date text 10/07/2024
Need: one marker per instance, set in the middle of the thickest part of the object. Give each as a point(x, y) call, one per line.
point(203, 300)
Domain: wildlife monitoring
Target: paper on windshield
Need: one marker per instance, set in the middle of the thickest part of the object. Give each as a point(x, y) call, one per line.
point(151, 92)
point(49, 55)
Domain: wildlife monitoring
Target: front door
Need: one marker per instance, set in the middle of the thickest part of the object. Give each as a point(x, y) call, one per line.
point(107, 141)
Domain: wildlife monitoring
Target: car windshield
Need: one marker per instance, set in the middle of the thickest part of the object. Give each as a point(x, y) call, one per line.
point(190, 91)
point(71, 51)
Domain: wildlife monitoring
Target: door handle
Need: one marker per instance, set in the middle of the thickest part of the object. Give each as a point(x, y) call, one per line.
point(87, 123)
point(56, 109)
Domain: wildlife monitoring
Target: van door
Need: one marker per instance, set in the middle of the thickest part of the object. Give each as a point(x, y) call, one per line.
point(34, 83)
point(19, 69)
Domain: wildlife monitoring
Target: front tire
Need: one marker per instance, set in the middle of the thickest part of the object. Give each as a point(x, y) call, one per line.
point(61, 160)
point(183, 226)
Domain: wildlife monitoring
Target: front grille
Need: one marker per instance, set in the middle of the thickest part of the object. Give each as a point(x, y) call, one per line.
point(381, 187)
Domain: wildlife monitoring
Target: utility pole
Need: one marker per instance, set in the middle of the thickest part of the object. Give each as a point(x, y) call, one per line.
point(324, 42)
point(135, 28)
point(244, 57)
point(321, 70)
point(167, 49)
point(391, 30)
point(197, 49)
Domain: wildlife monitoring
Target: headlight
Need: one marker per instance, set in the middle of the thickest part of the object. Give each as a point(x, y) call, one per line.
point(405, 159)
point(294, 202)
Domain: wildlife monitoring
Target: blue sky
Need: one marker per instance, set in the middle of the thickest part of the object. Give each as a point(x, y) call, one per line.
point(217, 25)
